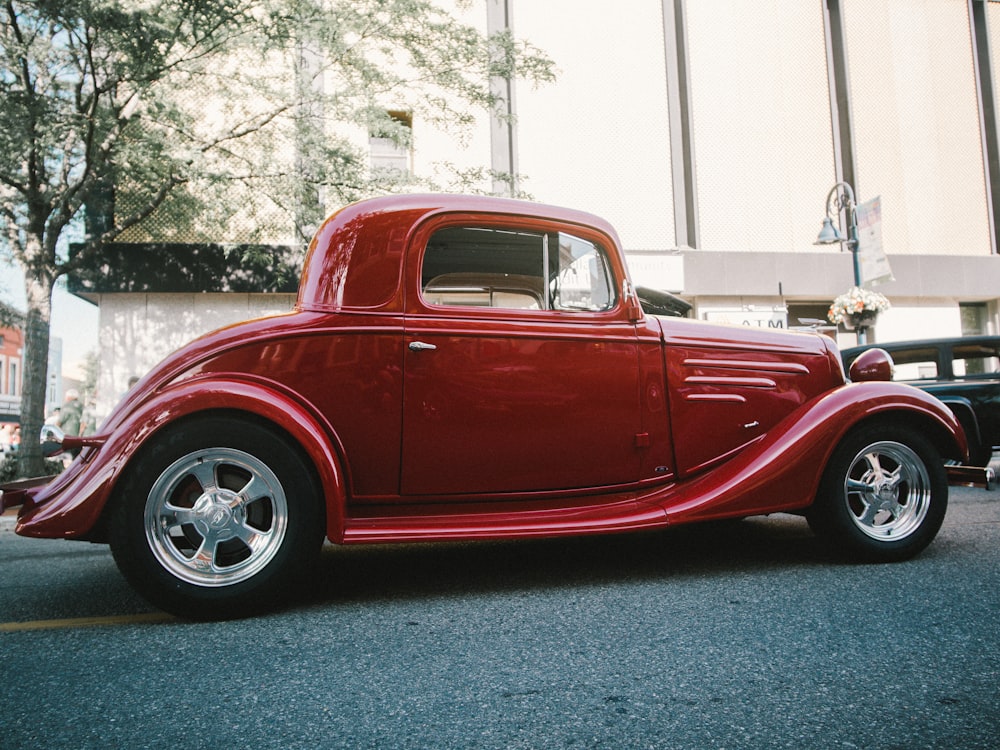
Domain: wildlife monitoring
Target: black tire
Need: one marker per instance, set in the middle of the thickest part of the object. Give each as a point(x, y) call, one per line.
point(883, 495)
point(218, 518)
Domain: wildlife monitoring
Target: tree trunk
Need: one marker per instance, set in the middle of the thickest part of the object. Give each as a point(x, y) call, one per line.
point(38, 288)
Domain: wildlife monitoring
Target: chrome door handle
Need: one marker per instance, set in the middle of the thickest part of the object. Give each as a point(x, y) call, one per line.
point(420, 346)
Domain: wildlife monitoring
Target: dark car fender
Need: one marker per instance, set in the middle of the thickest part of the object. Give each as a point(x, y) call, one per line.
point(966, 415)
point(72, 504)
point(782, 470)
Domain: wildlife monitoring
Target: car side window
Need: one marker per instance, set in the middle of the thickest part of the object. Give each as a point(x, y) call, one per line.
point(971, 360)
point(515, 270)
point(582, 280)
point(915, 364)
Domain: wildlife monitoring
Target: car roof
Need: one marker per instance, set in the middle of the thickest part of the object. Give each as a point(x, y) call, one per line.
point(365, 242)
point(922, 343)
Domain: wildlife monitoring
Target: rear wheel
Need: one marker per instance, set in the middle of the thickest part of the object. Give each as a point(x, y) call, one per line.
point(216, 519)
point(883, 495)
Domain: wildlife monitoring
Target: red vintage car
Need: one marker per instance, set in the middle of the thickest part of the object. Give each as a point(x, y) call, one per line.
point(467, 367)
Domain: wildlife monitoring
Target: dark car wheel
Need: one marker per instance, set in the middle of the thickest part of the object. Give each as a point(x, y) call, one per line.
point(217, 519)
point(883, 495)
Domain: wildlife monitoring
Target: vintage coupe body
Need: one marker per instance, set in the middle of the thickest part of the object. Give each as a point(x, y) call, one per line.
point(467, 367)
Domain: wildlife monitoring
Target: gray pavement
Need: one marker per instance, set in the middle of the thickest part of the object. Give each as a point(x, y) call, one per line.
point(743, 635)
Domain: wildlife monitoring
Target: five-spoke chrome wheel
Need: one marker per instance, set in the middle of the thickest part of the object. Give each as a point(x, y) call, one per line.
point(888, 490)
point(216, 517)
point(883, 495)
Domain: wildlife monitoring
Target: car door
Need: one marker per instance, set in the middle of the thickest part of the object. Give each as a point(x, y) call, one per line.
point(520, 365)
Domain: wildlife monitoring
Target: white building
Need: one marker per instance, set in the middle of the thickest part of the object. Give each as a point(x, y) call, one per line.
point(710, 134)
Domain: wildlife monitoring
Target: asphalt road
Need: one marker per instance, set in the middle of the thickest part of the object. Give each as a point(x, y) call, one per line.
point(744, 635)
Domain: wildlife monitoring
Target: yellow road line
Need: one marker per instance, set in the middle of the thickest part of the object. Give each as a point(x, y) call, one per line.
point(86, 622)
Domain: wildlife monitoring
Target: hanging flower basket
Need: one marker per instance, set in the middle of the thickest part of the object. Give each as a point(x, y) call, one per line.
point(858, 308)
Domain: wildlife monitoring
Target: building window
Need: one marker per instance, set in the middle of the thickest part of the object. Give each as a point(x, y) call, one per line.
point(14, 381)
point(52, 392)
point(390, 143)
point(974, 318)
point(811, 316)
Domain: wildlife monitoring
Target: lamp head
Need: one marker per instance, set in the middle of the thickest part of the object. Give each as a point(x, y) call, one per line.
point(829, 234)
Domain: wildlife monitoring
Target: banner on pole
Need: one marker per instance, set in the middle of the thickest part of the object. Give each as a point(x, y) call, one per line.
point(872, 259)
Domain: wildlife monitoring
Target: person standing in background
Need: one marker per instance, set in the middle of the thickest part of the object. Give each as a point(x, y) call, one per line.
point(71, 414)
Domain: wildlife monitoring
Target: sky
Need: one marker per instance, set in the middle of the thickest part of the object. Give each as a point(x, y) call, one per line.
point(74, 320)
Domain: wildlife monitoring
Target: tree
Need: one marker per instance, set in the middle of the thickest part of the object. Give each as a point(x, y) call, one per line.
point(197, 113)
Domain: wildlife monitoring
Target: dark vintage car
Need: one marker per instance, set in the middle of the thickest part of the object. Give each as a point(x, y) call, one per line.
point(465, 368)
point(962, 372)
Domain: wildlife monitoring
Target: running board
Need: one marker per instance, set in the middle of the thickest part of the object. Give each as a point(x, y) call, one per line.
point(971, 476)
point(462, 526)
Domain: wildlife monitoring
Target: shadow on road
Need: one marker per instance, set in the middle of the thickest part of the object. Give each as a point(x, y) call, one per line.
point(422, 570)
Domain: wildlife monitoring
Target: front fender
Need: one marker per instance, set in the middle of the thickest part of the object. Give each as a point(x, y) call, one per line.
point(781, 471)
point(71, 505)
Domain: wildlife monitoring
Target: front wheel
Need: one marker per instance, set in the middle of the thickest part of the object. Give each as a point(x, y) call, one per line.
point(216, 519)
point(883, 495)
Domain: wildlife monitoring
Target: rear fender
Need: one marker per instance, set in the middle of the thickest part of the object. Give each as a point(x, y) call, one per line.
point(72, 504)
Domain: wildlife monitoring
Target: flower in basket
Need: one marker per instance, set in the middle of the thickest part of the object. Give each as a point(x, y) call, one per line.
point(855, 301)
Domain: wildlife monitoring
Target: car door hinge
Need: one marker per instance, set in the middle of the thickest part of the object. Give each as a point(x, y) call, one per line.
point(642, 440)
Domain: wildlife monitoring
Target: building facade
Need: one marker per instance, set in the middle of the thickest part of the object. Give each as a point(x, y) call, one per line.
point(11, 357)
point(724, 156)
point(12, 374)
point(710, 134)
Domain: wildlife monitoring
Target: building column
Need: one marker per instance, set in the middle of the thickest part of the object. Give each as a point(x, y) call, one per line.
point(987, 111)
point(503, 130)
point(681, 124)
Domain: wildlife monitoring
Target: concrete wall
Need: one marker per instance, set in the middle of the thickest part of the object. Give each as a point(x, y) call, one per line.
point(138, 330)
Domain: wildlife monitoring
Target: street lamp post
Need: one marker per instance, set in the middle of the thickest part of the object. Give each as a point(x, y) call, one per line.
point(841, 197)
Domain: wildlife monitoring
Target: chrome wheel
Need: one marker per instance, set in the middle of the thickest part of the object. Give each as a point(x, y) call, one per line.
point(888, 491)
point(216, 517)
point(883, 495)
